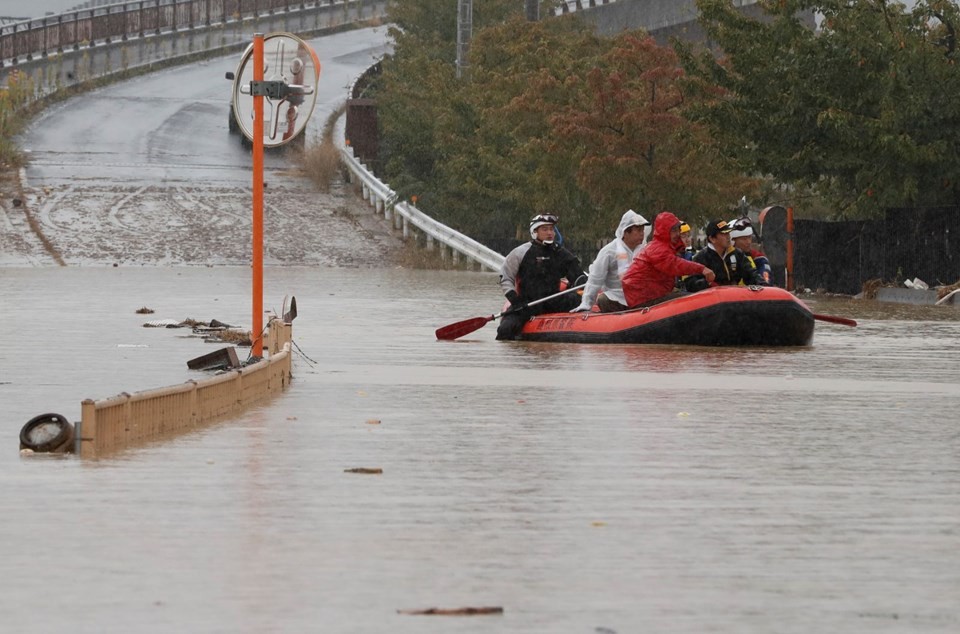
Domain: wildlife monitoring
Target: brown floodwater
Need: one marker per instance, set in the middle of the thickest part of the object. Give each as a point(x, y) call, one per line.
point(583, 488)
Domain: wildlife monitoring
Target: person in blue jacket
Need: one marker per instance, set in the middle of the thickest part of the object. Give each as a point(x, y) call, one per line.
point(742, 236)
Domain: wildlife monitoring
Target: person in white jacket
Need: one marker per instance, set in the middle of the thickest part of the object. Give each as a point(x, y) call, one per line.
point(611, 263)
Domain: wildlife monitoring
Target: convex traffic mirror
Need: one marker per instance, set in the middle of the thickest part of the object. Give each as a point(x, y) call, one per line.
point(291, 70)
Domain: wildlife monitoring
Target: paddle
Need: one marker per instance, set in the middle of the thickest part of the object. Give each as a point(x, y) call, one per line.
point(465, 327)
point(843, 321)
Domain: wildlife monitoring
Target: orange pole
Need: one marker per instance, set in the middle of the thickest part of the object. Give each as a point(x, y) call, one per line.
point(257, 200)
point(789, 248)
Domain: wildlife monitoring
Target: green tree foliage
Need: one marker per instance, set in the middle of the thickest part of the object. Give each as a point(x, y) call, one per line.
point(496, 145)
point(861, 112)
point(419, 90)
point(552, 118)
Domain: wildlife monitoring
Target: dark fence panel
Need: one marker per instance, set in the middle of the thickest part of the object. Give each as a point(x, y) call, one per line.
point(830, 255)
point(51, 35)
point(150, 19)
point(110, 26)
point(925, 243)
point(840, 256)
point(84, 31)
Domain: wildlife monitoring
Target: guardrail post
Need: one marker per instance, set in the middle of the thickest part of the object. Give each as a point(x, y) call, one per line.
point(194, 403)
point(406, 229)
point(238, 401)
point(126, 417)
point(430, 244)
point(88, 428)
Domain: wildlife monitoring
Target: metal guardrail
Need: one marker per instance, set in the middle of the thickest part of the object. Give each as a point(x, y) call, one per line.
point(385, 200)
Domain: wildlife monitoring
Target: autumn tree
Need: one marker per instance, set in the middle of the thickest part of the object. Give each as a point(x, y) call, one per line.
point(861, 112)
point(636, 146)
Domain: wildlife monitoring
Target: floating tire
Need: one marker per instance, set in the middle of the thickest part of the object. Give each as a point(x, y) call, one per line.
point(47, 433)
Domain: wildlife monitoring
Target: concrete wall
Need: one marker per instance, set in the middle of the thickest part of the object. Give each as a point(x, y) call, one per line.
point(625, 15)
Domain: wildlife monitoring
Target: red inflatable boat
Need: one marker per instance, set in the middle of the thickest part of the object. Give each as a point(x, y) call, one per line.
point(719, 316)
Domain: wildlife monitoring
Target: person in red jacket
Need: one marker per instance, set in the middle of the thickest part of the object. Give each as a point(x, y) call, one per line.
point(654, 271)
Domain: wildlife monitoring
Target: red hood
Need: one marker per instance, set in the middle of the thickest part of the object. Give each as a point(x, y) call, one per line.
point(664, 222)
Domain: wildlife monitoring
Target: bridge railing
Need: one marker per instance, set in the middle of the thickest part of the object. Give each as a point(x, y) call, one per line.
point(52, 34)
point(407, 217)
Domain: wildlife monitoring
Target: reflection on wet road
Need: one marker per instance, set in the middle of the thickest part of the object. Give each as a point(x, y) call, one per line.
point(579, 487)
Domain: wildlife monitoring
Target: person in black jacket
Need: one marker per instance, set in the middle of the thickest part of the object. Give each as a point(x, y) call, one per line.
point(731, 265)
point(533, 271)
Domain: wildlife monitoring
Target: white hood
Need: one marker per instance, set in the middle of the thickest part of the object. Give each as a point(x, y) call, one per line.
point(629, 219)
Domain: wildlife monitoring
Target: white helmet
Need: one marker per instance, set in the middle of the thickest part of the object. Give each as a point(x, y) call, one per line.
point(741, 227)
point(539, 220)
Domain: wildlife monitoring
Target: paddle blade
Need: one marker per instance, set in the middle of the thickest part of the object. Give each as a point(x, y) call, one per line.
point(843, 321)
point(461, 328)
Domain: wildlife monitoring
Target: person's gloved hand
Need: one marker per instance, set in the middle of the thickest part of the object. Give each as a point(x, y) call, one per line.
point(581, 309)
point(514, 298)
point(694, 283)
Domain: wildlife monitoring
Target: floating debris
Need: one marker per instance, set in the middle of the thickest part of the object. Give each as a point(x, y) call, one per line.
point(236, 337)
point(144, 311)
point(369, 470)
point(373, 421)
point(455, 611)
point(164, 323)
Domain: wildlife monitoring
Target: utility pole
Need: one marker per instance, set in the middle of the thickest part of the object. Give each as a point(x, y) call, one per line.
point(533, 10)
point(464, 33)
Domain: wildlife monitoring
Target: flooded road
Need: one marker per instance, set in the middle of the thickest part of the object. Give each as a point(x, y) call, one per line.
point(582, 488)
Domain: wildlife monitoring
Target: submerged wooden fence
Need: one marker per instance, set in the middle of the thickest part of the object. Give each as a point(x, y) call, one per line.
point(125, 420)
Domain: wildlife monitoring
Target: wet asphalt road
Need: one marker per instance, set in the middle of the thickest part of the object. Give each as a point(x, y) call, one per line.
point(145, 172)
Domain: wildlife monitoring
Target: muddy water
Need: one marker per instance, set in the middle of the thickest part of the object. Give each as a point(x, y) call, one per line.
point(582, 488)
